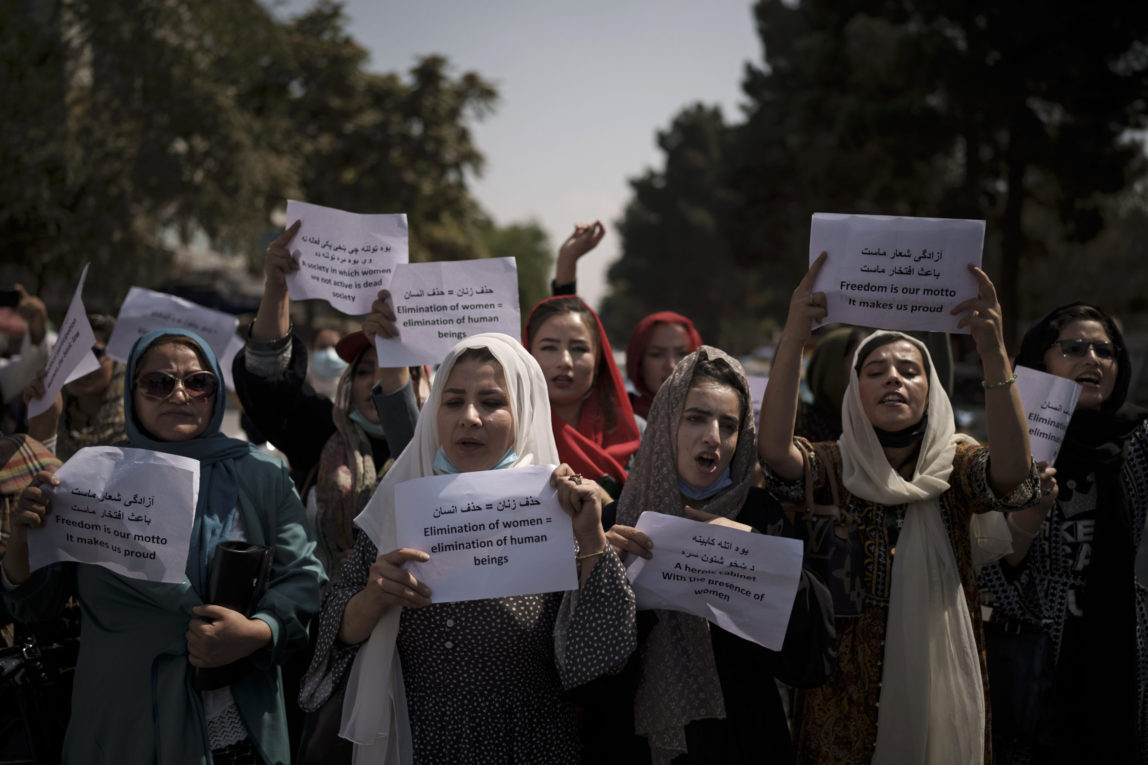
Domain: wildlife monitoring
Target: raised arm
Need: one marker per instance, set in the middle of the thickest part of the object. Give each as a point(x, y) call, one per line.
point(1010, 459)
point(585, 238)
point(273, 319)
point(779, 405)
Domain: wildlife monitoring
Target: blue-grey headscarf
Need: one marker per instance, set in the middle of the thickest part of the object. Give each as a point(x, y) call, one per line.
point(218, 482)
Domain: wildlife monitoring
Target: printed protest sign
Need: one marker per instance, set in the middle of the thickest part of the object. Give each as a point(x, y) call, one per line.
point(896, 273)
point(344, 258)
point(490, 534)
point(128, 510)
point(71, 356)
point(744, 583)
point(1049, 402)
point(438, 304)
point(146, 310)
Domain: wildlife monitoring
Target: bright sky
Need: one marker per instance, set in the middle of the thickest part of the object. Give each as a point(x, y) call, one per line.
point(583, 88)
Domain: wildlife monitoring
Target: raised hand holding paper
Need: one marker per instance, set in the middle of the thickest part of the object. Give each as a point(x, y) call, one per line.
point(128, 510)
point(1049, 402)
point(344, 258)
point(744, 583)
point(144, 310)
point(490, 534)
point(896, 273)
point(438, 304)
point(72, 356)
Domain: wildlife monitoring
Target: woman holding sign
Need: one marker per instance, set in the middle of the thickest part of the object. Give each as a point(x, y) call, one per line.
point(480, 680)
point(593, 421)
point(890, 512)
point(704, 694)
point(133, 700)
point(1068, 594)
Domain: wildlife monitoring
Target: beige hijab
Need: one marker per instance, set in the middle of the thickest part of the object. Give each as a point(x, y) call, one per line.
point(932, 705)
point(679, 680)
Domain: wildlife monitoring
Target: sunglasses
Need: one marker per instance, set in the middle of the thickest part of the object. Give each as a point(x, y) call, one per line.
point(1078, 349)
point(160, 385)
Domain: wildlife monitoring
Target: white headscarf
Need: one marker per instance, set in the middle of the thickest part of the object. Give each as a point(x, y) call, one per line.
point(374, 707)
point(932, 705)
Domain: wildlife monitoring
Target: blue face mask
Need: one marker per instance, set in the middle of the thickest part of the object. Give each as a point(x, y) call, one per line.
point(327, 363)
point(690, 492)
point(371, 428)
point(444, 465)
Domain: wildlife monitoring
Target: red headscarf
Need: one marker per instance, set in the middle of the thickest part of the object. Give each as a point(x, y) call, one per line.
point(636, 350)
point(590, 448)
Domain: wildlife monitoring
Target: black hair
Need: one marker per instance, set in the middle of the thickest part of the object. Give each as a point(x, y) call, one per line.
point(720, 372)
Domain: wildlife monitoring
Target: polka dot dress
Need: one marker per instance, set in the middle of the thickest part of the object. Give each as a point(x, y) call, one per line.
point(484, 679)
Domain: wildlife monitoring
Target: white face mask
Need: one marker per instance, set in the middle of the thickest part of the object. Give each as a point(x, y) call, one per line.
point(327, 363)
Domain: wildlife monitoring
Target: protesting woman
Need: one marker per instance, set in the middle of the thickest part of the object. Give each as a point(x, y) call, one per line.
point(901, 489)
point(593, 422)
point(1067, 598)
point(133, 701)
point(482, 680)
point(705, 695)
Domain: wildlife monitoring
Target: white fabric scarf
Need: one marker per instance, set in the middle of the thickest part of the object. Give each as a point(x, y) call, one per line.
point(374, 709)
point(932, 706)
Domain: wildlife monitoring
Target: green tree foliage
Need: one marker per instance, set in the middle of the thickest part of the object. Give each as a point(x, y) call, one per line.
point(937, 108)
point(131, 127)
point(528, 244)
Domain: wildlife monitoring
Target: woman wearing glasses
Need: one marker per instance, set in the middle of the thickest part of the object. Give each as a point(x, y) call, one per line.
point(1068, 593)
point(140, 639)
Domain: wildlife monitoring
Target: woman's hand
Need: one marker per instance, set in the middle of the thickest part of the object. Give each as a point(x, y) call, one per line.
point(389, 584)
point(806, 306)
point(585, 238)
point(717, 520)
point(581, 498)
point(221, 636)
point(381, 319)
point(273, 319)
point(983, 315)
point(277, 260)
point(627, 539)
point(31, 509)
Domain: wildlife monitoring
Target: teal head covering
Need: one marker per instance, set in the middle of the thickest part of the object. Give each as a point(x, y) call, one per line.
point(218, 483)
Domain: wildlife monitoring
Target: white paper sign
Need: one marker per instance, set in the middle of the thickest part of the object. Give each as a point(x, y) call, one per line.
point(896, 273)
point(234, 348)
point(146, 310)
point(757, 385)
point(744, 583)
point(128, 510)
point(438, 304)
point(72, 356)
point(344, 258)
point(490, 534)
point(1049, 402)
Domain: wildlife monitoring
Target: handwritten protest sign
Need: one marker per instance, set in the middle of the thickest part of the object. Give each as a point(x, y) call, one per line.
point(1049, 402)
point(146, 310)
point(72, 356)
point(896, 273)
point(438, 304)
point(744, 583)
point(128, 510)
point(490, 534)
point(344, 258)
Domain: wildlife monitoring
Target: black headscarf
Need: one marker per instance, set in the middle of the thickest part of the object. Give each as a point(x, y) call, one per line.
point(1094, 449)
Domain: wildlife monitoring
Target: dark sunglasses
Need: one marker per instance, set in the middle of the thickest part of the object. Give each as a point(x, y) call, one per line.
point(1078, 349)
point(160, 385)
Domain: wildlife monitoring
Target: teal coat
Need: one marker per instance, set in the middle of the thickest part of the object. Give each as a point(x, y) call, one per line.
point(132, 701)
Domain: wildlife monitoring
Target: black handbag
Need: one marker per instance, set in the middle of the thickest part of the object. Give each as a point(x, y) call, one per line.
point(1021, 670)
point(319, 743)
point(35, 699)
point(239, 573)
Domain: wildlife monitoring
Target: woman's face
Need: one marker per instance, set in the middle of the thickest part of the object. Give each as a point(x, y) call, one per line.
point(668, 345)
point(1096, 375)
point(707, 432)
point(362, 380)
point(568, 354)
point(475, 423)
point(179, 416)
point(894, 386)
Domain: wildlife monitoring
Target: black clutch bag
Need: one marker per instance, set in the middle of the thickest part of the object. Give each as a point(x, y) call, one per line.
point(239, 573)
